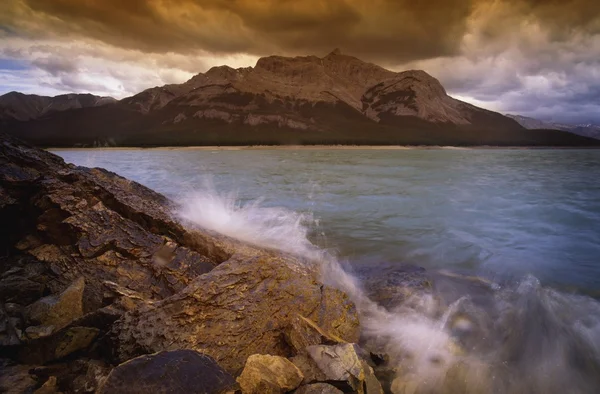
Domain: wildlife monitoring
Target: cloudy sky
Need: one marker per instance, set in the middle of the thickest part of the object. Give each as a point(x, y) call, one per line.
point(538, 58)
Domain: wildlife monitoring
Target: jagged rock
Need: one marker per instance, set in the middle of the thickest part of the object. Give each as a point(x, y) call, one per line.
point(242, 307)
point(16, 378)
point(310, 370)
point(265, 374)
point(318, 388)
point(174, 372)
point(371, 383)
point(49, 387)
point(57, 345)
point(77, 222)
point(19, 288)
point(340, 364)
point(303, 332)
point(58, 310)
point(75, 376)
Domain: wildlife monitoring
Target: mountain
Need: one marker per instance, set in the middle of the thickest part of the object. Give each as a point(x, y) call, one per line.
point(19, 106)
point(586, 130)
point(336, 99)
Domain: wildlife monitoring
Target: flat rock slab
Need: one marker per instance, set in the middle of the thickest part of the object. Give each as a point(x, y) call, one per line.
point(174, 372)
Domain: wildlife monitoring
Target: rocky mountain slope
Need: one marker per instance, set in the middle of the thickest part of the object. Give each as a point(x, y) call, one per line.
point(337, 99)
point(585, 130)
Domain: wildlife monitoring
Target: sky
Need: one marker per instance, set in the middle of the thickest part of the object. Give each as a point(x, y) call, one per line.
point(538, 58)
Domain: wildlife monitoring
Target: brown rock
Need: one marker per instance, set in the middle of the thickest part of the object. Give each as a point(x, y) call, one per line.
point(59, 310)
point(57, 345)
point(318, 388)
point(242, 307)
point(303, 332)
point(175, 372)
point(264, 374)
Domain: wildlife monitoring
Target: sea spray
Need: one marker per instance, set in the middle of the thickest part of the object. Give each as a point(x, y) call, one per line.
point(519, 338)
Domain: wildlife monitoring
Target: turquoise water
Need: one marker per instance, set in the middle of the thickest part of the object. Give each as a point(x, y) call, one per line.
point(499, 213)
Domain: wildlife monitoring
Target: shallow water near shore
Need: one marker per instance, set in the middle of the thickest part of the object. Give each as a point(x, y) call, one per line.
point(510, 240)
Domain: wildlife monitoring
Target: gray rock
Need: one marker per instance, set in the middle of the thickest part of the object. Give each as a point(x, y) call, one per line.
point(340, 364)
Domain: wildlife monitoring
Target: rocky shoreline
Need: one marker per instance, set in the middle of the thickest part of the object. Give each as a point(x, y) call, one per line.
point(102, 291)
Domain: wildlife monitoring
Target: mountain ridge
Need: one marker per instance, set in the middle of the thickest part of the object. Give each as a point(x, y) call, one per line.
point(335, 99)
point(586, 130)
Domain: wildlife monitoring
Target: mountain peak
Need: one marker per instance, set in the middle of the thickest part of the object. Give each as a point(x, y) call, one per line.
point(335, 52)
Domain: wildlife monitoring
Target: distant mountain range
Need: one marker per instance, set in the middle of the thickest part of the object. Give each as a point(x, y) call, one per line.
point(586, 130)
point(336, 99)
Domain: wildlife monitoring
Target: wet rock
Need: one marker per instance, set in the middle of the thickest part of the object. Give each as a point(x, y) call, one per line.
point(318, 388)
point(173, 372)
point(392, 284)
point(340, 364)
point(264, 374)
point(242, 307)
point(58, 310)
point(303, 332)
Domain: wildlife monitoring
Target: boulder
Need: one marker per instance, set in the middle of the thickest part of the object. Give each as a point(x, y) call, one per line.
point(318, 388)
point(174, 372)
point(243, 307)
point(57, 311)
point(265, 374)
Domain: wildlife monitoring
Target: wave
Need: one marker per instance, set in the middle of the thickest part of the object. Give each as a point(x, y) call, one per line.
point(516, 338)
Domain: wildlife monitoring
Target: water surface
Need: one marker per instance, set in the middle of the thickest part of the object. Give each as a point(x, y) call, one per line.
point(499, 213)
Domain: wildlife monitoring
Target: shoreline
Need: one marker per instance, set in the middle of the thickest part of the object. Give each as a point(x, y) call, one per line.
point(318, 147)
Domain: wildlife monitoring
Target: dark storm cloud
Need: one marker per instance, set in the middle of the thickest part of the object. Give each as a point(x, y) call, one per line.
point(396, 30)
